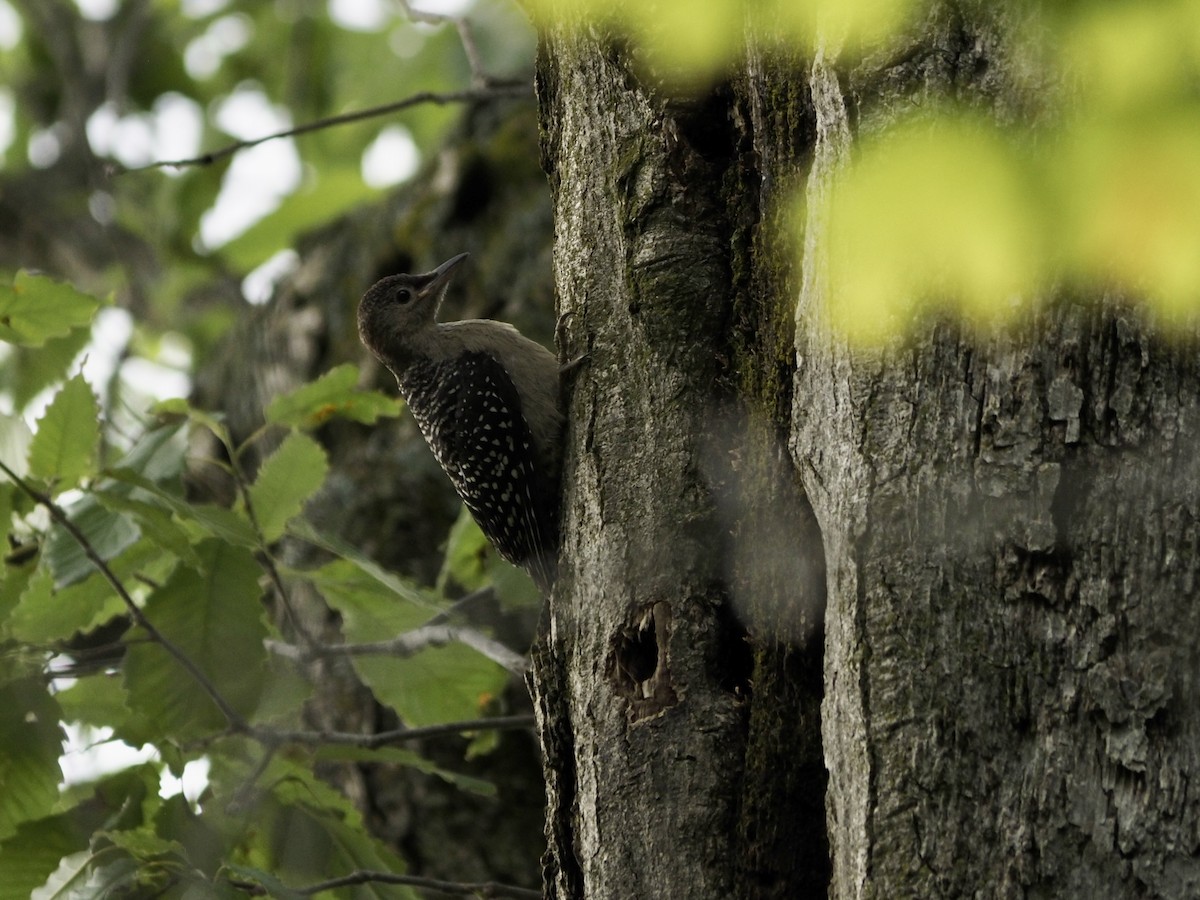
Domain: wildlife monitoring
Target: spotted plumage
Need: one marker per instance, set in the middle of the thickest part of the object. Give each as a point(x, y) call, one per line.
point(486, 401)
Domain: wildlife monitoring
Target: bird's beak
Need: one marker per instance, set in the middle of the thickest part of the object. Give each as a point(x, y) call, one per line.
point(440, 277)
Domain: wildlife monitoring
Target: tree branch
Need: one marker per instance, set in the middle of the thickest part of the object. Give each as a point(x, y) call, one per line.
point(441, 99)
point(274, 737)
point(232, 716)
point(456, 888)
point(479, 78)
point(410, 643)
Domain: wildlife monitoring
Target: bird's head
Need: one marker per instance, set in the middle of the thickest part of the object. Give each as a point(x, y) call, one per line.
point(399, 307)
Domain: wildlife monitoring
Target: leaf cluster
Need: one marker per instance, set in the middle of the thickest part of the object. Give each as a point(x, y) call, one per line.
point(133, 614)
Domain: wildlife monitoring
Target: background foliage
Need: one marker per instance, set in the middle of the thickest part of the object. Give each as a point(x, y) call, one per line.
point(133, 610)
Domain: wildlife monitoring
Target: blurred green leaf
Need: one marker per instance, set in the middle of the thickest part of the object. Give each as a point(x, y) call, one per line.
point(439, 684)
point(288, 477)
point(97, 700)
point(471, 563)
point(332, 194)
point(33, 369)
point(247, 875)
point(398, 756)
point(45, 615)
point(108, 533)
point(215, 617)
point(35, 308)
point(201, 521)
point(15, 437)
point(370, 576)
point(29, 857)
point(31, 739)
point(334, 394)
point(64, 446)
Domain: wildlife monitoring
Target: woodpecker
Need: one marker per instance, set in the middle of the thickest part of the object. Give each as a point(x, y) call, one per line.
point(486, 399)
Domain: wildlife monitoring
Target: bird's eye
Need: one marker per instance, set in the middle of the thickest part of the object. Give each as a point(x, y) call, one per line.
point(403, 295)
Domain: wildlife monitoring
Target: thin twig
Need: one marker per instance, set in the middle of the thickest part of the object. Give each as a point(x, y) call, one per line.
point(455, 888)
point(410, 643)
point(462, 604)
point(479, 78)
point(232, 716)
point(274, 737)
point(435, 97)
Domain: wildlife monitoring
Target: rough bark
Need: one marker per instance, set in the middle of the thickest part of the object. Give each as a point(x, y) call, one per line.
point(678, 679)
point(1006, 527)
point(642, 723)
point(1010, 532)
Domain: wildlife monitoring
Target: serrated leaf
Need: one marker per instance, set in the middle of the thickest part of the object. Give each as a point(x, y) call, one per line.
point(313, 816)
point(284, 694)
point(35, 308)
point(472, 562)
point(154, 521)
point(291, 475)
point(67, 438)
point(440, 684)
point(31, 739)
point(215, 617)
point(33, 369)
point(397, 607)
point(332, 395)
point(108, 534)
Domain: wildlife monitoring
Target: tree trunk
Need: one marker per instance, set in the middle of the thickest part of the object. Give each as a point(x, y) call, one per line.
point(1006, 529)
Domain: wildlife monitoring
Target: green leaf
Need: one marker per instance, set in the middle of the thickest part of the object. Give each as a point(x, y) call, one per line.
point(398, 606)
point(333, 193)
point(33, 369)
point(98, 700)
point(334, 394)
point(65, 444)
point(31, 739)
point(108, 534)
point(15, 438)
point(12, 586)
point(439, 684)
point(284, 693)
point(396, 588)
point(398, 756)
point(35, 308)
point(29, 857)
point(200, 520)
point(214, 616)
point(472, 562)
point(246, 875)
point(153, 521)
point(291, 475)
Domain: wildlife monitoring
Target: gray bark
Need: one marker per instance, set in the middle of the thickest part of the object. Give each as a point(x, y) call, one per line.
point(1006, 528)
